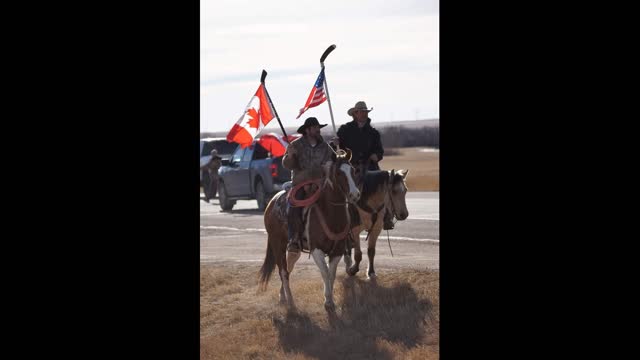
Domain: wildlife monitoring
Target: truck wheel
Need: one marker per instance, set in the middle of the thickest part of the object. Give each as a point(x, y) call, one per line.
point(261, 196)
point(225, 203)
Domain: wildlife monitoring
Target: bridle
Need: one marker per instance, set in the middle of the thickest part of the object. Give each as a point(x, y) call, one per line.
point(347, 230)
point(387, 198)
point(342, 191)
point(340, 154)
point(389, 192)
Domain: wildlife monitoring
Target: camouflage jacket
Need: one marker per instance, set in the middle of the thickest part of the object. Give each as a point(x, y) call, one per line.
point(306, 163)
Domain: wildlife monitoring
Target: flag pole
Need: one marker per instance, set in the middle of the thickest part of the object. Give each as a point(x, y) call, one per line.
point(264, 75)
point(326, 87)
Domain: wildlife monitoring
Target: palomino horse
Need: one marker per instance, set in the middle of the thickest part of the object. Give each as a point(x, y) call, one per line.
point(327, 225)
point(380, 190)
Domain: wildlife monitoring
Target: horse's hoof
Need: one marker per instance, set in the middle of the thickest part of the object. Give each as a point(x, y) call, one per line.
point(352, 271)
point(372, 275)
point(330, 307)
point(347, 266)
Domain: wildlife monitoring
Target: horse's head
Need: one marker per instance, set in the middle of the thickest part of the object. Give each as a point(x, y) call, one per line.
point(398, 192)
point(341, 173)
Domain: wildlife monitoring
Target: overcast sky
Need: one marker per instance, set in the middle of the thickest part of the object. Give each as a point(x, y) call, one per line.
point(387, 54)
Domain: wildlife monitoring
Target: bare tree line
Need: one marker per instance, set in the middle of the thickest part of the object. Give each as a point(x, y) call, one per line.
point(394, 136)
point(400, 136)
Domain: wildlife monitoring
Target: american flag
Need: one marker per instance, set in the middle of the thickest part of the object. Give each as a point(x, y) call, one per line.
point(317, 95)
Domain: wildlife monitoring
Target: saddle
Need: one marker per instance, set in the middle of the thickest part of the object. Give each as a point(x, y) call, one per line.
point(282, 205)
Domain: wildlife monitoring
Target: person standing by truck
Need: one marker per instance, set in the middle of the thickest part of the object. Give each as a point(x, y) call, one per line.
point(210, 176)
point(305, 157)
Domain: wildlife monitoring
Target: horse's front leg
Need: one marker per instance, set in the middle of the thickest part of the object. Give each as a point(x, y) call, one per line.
point(357, 252)
point(318, 257)
point(333, 267)
point(347, 260)
point(371, 250)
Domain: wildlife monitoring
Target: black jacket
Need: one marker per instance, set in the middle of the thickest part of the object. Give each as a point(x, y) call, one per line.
point(362, 141)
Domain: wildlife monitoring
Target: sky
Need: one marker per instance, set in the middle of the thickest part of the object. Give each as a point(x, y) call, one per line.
point(387, 54)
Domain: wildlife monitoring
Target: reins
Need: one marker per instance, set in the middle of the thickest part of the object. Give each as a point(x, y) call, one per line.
point(311, 202)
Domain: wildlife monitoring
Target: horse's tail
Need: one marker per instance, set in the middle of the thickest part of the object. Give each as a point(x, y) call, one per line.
point(267, 268)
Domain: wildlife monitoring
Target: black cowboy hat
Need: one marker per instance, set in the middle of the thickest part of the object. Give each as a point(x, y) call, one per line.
point(310, 122)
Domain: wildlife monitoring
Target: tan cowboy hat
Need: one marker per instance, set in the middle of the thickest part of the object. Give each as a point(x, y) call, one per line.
point(360, 105)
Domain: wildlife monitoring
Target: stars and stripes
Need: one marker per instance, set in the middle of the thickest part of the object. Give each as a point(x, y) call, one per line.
point(317, 95)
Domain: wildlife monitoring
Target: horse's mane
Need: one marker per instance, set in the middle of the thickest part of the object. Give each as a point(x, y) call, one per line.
point(373, 180)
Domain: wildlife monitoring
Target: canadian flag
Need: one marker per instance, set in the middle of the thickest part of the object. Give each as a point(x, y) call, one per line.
point(257, 114)
point(276, 144)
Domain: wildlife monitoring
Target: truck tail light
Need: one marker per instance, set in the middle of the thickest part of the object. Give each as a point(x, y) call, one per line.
point(274, 170)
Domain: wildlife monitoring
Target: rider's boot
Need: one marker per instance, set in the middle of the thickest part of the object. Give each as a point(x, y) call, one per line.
point(293, 226)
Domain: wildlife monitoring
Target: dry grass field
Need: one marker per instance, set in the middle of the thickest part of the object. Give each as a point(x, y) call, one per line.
point(424, 167)
point(395, 317)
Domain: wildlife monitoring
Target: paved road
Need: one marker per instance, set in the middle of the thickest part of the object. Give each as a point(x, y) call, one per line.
point(239, 235)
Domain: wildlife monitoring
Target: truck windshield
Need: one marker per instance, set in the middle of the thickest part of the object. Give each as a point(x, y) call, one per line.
point(247, 154)
point(224, 147)
point(237, 156)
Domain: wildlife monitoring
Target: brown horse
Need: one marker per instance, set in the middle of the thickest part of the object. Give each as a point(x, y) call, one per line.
point(380, 190)
point(327, 225)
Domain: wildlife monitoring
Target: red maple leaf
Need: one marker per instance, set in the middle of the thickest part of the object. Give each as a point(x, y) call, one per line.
point(254, 120)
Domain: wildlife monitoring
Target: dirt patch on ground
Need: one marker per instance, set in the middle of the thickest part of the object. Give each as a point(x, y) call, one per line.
point(395, 317)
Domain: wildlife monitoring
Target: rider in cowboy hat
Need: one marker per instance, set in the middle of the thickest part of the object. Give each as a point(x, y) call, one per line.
point(364, 142)
point(305, 157)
